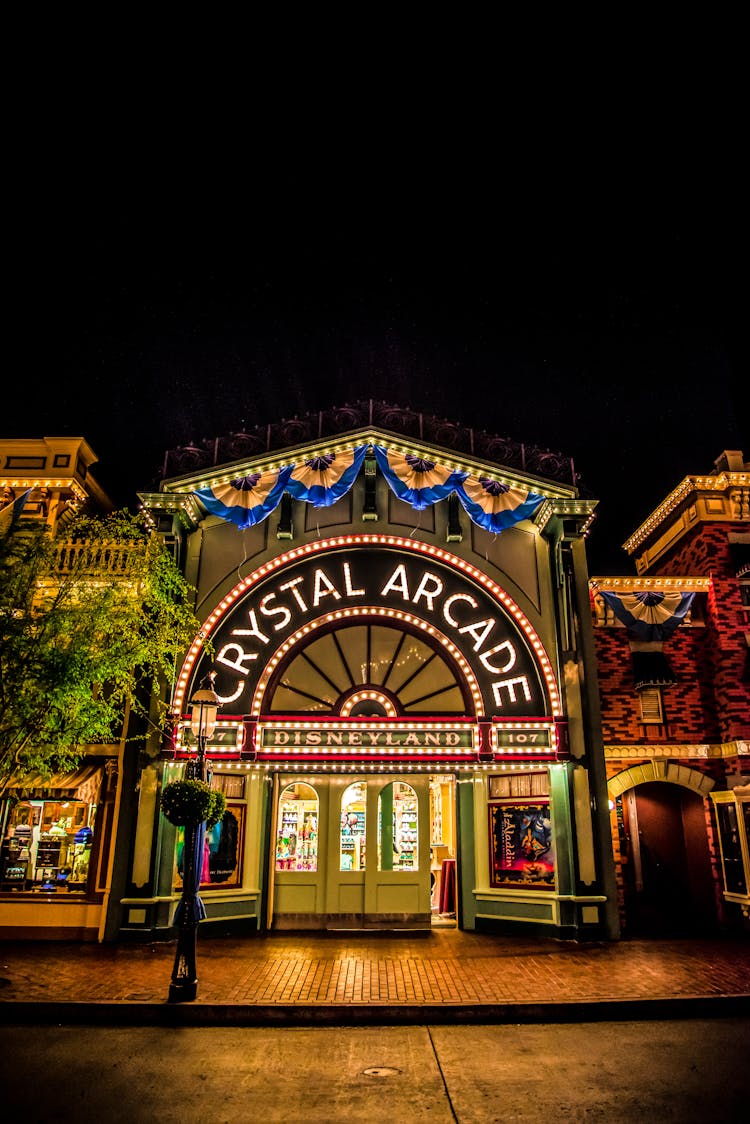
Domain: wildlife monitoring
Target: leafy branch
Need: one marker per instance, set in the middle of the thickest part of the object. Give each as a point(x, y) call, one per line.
point(91, 630)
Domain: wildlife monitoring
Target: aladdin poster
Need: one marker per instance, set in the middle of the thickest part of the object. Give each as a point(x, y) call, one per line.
point(222, 851)
point(521, 848)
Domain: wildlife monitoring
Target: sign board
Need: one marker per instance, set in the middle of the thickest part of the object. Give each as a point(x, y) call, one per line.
point(316, 590)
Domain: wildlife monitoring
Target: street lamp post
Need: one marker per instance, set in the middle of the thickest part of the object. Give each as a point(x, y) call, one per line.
point(190, 911)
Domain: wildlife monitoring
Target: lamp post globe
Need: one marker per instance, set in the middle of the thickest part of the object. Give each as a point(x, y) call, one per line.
point(204, 706)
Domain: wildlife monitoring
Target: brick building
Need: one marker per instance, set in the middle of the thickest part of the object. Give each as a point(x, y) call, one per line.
point(672, 652)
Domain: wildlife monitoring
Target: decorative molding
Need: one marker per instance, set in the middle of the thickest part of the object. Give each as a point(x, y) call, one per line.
point(654, 750)
point(641, 585)
point(659, 771)
point(184, 502)
point(331, 425)
point(208, 475)
point(721, 483)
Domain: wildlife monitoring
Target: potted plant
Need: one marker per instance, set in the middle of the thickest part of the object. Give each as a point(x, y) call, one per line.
point(192, 802)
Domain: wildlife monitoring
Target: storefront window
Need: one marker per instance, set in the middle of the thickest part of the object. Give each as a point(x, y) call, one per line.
point(398, 836)
point(731, 850)
point(353, 827)
point(47, 846)
point(522, 853)
point(223, 845)
point(297, 829)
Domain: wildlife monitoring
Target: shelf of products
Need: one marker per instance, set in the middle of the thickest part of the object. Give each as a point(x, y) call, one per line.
point(353, 846)
point(405, 834)
point(297, 833)
point(48, 847)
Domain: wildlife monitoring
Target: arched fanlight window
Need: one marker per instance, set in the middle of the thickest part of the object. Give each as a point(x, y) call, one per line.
point(398, 830)
point(405, 672)
point(353, 827)
point(297, 829)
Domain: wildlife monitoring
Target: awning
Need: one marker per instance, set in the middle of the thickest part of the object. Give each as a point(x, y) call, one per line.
point(82, 784)
point(651, 669)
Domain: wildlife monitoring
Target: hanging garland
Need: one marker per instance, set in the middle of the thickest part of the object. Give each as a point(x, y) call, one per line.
point(323, 479)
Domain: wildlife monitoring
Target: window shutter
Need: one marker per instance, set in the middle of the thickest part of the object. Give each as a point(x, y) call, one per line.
point(651, 709)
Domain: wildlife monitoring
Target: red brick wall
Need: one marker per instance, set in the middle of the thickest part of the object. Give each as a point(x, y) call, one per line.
point(705, 553)
point(710, 702)
point(689, 704)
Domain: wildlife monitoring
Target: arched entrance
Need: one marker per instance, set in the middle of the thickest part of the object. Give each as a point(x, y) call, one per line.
point(361, 673)
point(665, 864)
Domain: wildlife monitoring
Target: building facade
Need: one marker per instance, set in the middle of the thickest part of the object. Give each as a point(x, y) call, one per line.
point(672, 653)
point(429, 715)
point(399, 634)
point(58, 833)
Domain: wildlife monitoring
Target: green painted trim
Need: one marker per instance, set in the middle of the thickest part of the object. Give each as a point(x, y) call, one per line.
point(560, 781)
point(466, 856)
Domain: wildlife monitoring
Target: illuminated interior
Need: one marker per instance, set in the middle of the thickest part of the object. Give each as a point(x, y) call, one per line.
point(401, 671)
point(352, 850)
point(297, 829)
point(398, 832)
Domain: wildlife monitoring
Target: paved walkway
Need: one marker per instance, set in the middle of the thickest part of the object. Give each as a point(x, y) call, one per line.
point(444, 976)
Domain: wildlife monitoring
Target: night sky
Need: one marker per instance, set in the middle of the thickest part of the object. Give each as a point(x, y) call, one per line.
point(605, 333)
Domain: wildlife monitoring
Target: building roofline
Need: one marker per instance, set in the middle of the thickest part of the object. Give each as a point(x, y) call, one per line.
point(461, 443)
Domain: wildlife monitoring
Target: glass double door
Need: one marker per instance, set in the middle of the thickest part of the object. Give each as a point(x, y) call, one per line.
point(351, 852)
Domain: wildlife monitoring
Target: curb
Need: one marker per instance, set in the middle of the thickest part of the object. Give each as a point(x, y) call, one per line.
point(125, 1013)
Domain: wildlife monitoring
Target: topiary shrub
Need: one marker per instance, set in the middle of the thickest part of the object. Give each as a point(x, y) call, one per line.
point(192, 802)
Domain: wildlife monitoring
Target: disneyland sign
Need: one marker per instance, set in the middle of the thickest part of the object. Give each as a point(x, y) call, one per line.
point(365, 739)
point(397, 588)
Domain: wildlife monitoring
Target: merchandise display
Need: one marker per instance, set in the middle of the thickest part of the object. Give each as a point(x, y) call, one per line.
point(398, 831)
point(47, 846)
point(405, 833)
point(297, 829)
point(353, 827)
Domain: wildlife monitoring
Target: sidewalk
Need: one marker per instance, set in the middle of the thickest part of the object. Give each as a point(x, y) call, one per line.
point(447, 976)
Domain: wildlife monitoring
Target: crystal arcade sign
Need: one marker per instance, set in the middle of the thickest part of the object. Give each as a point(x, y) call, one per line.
point(389, 580)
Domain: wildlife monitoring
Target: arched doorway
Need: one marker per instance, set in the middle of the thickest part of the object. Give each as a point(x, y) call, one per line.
point(667, 880)
point(374, 661)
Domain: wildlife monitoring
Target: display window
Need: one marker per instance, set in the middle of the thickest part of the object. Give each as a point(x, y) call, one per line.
point(398, 833)
point(735, 879)
point(352, 850)
point(297, 829)
point(223, 847)
point(522, 854)
point(47, 846)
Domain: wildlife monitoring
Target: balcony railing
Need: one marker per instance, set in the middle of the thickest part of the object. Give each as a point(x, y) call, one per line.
point(115, 558)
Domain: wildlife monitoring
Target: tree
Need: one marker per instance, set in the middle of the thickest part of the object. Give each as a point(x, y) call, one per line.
point(91, 629)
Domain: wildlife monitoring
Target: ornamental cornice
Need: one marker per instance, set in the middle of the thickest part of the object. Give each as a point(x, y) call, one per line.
point(315, 429)
point(654, 750)
point(691, 485)
point(182, 503)
point(645, 584)
point(209, 477)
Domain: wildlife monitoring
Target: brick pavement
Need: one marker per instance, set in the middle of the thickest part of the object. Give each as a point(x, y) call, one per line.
point(446, 969)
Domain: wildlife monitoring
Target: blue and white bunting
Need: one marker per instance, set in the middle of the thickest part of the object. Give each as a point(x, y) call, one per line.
point(323, 479)
point(246, 500)
point(11, 512)
point(652, 615)
point(495, 506)
point(416, 480)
